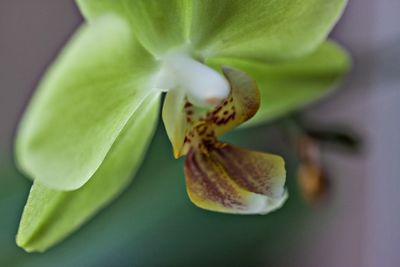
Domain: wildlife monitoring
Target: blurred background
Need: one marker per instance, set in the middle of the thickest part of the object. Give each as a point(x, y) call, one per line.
point(154, 224)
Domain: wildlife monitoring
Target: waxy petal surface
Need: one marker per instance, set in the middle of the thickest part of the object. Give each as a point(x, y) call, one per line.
point(51, 215)
point(263, 30)
point(233, 180)
point(83, 103)
point(158, 25)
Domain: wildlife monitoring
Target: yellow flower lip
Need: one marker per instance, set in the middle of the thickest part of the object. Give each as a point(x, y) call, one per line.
point(220, 176)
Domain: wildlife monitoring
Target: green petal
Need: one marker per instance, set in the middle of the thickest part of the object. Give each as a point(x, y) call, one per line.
point(159, 25)
point(51, 215)
point(287, 86)
point(262, 29)
point(83, 103)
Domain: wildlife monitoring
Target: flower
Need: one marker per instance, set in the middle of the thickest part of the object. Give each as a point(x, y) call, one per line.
point(219, 176)
point(87, 128)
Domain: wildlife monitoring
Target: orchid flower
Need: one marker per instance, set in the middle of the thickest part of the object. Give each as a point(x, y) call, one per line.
point(90, 122)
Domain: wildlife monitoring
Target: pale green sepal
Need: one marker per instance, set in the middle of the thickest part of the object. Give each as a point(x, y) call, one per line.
point(83, 103)
point(264, 30)
point(288, 86)
point(50, 215)
point(158, 25)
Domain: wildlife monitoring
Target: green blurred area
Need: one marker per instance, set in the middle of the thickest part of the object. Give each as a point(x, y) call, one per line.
point(154, 224)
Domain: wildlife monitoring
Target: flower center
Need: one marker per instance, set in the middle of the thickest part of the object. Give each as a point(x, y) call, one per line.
point(203, 86)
